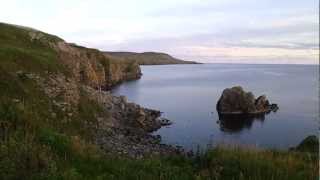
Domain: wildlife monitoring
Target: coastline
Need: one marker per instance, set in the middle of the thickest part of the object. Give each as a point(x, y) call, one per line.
point(57, 121)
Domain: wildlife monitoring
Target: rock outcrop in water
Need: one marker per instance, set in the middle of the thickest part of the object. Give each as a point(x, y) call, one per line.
point(237, 101)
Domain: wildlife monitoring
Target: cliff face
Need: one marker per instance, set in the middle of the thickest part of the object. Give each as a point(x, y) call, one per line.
point(149, 58)
point(120, 70)
point(93, 68)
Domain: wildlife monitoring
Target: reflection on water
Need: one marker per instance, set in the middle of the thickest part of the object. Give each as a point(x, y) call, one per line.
point(232, 123)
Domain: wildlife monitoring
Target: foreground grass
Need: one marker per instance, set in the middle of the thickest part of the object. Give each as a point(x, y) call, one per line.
point(41, 153)
point(238, 163)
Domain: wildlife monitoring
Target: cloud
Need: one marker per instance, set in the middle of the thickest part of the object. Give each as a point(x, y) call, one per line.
point(191, 29)
point(296, 40)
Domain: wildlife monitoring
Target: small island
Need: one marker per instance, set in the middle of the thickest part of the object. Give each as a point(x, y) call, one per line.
point(237, 101)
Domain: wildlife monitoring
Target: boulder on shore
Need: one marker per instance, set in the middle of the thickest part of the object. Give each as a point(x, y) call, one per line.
point(309, 144)
point(237, 101)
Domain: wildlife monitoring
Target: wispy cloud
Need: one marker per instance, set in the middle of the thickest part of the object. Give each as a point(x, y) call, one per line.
point(207, 30)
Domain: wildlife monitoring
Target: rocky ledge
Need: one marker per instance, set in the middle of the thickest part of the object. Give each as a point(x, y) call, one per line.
point(237, 101)
point(121, 127)
point(127, 129)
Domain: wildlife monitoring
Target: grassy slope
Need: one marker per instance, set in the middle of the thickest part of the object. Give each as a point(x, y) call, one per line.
point(36, 145)
point(17, 51)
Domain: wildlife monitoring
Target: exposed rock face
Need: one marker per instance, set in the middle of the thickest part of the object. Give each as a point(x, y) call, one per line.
point(262, 104)
point(120, 71)
point(127, 115)
point(237, 101)
point(93, 68)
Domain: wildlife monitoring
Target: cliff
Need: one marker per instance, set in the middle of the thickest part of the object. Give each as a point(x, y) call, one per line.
point(149, 58)
point(53, 89)
point(92, 67)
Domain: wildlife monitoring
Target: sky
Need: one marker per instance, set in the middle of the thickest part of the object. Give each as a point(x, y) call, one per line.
point(227, 31)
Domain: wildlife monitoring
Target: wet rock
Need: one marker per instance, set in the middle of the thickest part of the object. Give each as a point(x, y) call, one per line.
point(164, 121)
point(274, 107)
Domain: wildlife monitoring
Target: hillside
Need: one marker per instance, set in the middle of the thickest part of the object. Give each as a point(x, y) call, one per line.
point(58, 122)
point(51, 100)
point(149, 58)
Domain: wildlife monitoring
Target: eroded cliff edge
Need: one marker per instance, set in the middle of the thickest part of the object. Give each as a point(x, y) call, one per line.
point(93, 68)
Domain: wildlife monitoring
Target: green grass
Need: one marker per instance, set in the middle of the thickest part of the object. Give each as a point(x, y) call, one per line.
point(248, 163)
point(19, 52)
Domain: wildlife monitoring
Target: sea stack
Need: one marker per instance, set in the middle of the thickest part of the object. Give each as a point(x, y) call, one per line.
point(235, 100)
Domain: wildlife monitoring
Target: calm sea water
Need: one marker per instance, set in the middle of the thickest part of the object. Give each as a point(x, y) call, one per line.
point(187, 94)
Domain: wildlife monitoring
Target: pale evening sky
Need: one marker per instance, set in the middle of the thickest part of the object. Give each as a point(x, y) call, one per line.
point(238, 31)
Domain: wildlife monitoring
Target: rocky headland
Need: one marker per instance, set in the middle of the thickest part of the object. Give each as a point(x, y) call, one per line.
point(149, 58)
point(74, 82)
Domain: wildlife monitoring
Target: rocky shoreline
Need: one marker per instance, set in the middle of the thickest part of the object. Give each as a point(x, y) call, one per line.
point(124, 128)
point(128, 129)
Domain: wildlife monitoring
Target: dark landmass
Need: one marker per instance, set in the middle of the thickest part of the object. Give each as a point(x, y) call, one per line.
point(234, 123)
point(309, 144)
point(149, 58)
point(235, 101)
point(238, 109)
point(57, 121)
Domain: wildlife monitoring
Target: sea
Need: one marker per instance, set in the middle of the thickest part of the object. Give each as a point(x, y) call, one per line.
point(187, 95)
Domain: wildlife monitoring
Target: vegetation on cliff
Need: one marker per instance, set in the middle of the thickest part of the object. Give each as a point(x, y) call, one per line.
point(50, 113)
point(149, 58)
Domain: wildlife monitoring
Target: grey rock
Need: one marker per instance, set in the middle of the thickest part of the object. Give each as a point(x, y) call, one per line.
point(237, 101)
